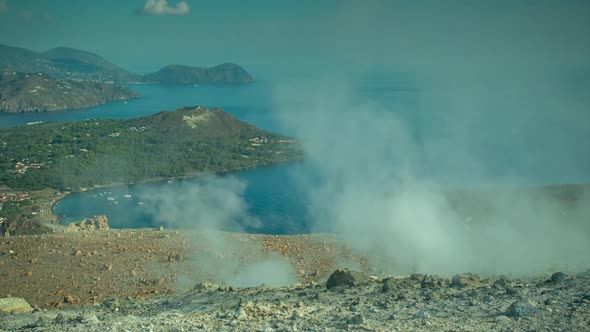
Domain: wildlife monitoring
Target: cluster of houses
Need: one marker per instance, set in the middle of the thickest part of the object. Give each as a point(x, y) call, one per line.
point(137, 129)
point(13, 197)
point(256, 141)
point(260, 140)
point(21, 168)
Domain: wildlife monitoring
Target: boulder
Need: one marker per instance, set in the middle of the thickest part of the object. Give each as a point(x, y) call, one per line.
point(500, 283)
point(14, 305)
point(463, 280)
point(520, 308)
point(390, 284)
point(206, 286)
point(112, 302)
point(60, 319)
point(345, 278)
point(558, 277)
point(432, 282)
point(357, 319)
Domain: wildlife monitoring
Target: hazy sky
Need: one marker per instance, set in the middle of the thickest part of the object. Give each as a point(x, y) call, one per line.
point(270, 35)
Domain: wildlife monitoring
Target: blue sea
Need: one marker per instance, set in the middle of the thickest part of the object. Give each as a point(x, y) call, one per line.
point(519, 140)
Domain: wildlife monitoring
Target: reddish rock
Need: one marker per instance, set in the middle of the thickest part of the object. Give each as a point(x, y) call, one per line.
point(95, 223)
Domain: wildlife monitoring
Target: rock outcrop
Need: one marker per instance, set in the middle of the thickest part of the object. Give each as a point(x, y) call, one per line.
point(38, 92)
point(14, 305)
point(345, 278)
point(95, 223)
point(465, 280)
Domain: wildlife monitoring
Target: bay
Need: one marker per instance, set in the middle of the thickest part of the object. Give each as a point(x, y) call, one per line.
point(514, 139)
point(248, 103)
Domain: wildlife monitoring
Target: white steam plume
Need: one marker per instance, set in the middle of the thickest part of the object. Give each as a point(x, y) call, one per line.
point(387, 172)
point(205, 210)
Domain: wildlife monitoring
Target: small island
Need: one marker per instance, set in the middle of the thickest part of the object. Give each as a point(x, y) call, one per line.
point(227, 73)
point(38, 92)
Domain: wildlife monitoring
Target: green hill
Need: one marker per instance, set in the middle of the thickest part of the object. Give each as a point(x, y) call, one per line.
point(20, 92)
point(69, 63)
point(64, 63)
point(227, 73)
point(175, 144)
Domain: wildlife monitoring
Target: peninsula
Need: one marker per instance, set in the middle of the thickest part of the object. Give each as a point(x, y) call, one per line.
point(191, 140)
point(38, 92)
point(73, 156)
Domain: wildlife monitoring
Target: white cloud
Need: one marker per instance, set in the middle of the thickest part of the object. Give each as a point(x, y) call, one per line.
point(3, 6)
point(162, 7)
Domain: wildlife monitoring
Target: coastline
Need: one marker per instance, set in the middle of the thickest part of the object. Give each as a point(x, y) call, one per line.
point(66, 193)
point(67, 109)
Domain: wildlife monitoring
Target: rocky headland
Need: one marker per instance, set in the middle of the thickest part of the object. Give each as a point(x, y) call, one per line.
point(38, 92)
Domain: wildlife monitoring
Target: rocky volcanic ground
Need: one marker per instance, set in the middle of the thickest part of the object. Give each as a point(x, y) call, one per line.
point(348, 301)
point(144, 280)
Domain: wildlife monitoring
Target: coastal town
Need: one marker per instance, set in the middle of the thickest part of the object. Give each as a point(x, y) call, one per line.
point(22, 168)
point(32, 211)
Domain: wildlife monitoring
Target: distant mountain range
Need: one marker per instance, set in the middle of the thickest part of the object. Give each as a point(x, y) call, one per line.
point(22, 92)
point(69, 63)
point(65, 78)
point(64, 63)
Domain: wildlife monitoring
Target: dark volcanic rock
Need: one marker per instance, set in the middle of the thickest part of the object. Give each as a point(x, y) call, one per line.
point(521, 308)
point(357, 319)
point(559, 277)
point(500, 283)
point(390, 284)
point(512, 291)
point(60, 319)
point(416, 277)
point(345, 278)
point(465, 280)
point(431, 282)
point(112, 302)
